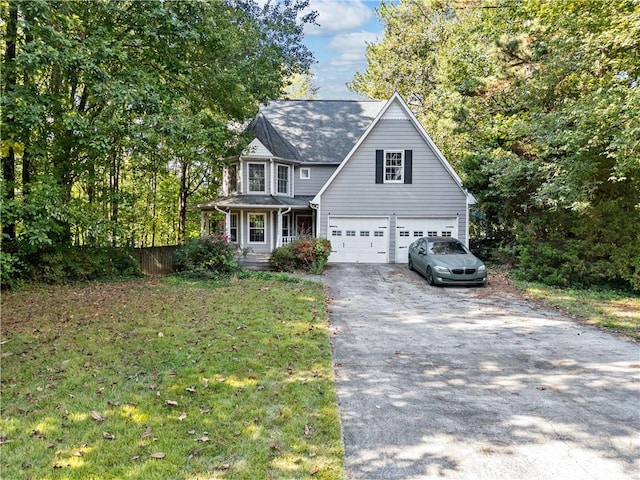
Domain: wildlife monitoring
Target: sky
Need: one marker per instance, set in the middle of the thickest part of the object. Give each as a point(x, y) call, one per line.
point(339, 43)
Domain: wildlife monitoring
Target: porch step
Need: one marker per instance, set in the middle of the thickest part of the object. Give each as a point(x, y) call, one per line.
point(255, 261)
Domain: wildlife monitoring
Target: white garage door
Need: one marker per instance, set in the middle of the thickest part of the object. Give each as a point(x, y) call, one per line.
point(359, 239)
point(410, 229)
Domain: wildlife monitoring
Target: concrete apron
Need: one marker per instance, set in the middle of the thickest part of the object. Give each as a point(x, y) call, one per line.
point(460, 383)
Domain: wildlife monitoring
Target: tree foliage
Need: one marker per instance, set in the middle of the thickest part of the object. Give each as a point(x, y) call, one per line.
point(538, 105)
point(116, 114)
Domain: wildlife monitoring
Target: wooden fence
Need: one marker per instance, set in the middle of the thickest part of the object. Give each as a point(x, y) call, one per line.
point(156, 260)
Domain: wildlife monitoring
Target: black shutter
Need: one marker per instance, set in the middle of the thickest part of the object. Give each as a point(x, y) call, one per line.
point(408, 166)
point(379, 166)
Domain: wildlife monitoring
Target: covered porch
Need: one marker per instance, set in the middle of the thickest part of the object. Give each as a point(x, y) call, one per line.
point(259, 223)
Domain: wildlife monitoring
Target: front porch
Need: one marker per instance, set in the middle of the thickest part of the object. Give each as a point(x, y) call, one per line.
point(259, 224)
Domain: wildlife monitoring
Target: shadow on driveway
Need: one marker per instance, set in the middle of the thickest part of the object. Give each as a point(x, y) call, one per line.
point(458, 383)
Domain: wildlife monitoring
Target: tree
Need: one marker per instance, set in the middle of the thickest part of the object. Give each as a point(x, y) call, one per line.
point(105, 101)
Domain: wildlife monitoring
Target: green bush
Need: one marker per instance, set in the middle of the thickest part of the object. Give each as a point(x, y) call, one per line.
point(283, 259)
point(307, 254)
point(209, 256)
point(70, 264)
point(581, 250)
point(65, 264)
point(11, 270)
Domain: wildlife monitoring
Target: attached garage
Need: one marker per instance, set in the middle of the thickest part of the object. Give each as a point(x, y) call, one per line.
point(409, 229)
point(359, 239)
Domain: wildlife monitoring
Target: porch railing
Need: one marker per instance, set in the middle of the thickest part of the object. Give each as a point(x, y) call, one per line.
point(288, 240)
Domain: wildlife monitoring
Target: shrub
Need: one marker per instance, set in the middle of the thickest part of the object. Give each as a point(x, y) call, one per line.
point(283, 259)
point(11, 270)
point(70, 264)
point(209, 256)
point(307, 254)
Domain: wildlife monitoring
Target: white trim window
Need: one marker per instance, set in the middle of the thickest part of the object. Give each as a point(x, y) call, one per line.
point(233, 227)
point(305, 173)
point(257, 227)
point(257, 178)
point(282, 176)
point(393, 166)
point(286, 225)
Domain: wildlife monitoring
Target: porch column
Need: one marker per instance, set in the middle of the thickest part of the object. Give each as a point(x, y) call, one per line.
point(279, 229)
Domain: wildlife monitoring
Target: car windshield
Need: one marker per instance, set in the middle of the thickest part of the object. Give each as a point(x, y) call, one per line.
point(446, 248)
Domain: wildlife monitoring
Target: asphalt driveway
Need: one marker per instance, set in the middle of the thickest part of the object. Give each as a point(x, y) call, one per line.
point(464, 383)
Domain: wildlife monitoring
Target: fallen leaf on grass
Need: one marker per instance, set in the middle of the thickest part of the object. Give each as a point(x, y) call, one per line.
point(158, 455)
point(190, 389)
point(79, 453)
point(225, 466)
point(108, 436)
point(314, 470)
point(96, 416)
point(170, 403)
point(308, 431)
point(147, 433)
point(182, 416)
point(202, 439)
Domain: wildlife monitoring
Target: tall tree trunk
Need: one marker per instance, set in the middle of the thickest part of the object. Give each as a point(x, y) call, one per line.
point(115, 194)
point(10, 79)
point(182, 205)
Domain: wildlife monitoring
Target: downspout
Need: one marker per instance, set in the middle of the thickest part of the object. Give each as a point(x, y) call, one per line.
point(316, 207)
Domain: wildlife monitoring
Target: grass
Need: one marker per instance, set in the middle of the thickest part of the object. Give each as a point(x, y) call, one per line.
point(609, 309)
point(169, 380)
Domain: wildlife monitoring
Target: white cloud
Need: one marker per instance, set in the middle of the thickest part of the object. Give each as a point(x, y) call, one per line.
point(350, 49)
point(338, 16)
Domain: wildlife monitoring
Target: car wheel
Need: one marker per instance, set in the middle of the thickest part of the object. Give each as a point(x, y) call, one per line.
point(410, 264)
point(429, 276)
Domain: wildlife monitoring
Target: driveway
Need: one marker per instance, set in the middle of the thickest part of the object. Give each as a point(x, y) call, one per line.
point(466, 383)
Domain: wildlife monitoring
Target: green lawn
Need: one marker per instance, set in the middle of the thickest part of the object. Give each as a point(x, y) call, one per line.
point(155, 380)
point(612, 310)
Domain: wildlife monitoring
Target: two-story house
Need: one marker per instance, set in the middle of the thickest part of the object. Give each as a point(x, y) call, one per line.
point(364, 174)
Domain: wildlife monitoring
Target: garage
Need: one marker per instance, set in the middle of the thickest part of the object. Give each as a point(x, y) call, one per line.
point(359, 239)
point(409, 229)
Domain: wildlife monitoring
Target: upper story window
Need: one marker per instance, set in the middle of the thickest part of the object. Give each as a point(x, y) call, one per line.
point(305, 173)
point(393, 167)
point(257, 183)
point(283, 179)
point(232, 178)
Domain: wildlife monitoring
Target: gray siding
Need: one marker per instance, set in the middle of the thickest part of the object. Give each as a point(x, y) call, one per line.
point(319, 176)
point(270, 231)
point(433, 191)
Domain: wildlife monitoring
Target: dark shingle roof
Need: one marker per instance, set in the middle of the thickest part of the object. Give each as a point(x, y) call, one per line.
point(299, 201)
point(314, 131)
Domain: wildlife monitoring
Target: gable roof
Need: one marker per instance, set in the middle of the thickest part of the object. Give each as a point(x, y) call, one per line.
point(313, 131)
point(394, 108)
